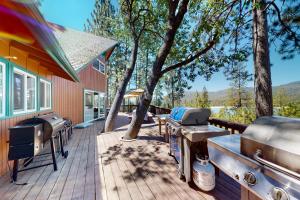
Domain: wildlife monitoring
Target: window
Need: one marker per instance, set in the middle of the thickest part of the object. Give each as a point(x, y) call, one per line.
point(99, 66)
point(24, 91)
point(45, 95)
point(2, 89)
point(31, 93)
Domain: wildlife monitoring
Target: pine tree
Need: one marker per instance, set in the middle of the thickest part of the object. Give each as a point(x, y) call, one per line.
point(238, 77)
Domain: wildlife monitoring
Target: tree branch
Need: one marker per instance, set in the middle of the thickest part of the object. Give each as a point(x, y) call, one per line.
point(172, 8)
point(191, 58)
point(286, 27)
point(154, 32)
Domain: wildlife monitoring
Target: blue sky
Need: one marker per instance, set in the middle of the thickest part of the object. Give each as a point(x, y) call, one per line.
point(73, 14)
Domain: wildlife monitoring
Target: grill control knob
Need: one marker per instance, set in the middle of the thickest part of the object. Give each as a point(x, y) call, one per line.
point(279, 194)
point(250, 178)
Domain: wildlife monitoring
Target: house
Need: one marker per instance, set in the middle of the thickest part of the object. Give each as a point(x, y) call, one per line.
point(45, 68)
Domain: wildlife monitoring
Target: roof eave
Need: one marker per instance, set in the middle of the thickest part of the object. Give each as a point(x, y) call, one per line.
point(87, 64)
point(56, 51)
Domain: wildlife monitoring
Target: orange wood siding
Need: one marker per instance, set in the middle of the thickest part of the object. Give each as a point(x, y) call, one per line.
point(92, 79)
point(67, 96)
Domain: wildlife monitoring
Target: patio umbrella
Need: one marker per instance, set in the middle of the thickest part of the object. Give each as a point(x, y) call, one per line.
point(137, 92)
point(126, 96)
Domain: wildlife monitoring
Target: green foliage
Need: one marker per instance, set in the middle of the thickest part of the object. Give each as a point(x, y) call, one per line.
point(285, 31)
point(201, 100)
point(280, 98)
point(103, 19)
point(290, 110)
point(285, 107)
point(158, 95)
point(238, 77)
point(228, 23)
point(242, 115)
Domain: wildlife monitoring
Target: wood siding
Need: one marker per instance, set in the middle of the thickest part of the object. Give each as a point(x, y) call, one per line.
point(67, 96)
point(92, 79)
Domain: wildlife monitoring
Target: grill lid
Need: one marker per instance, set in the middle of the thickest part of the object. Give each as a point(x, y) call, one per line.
point(274, 139)
point(52, 123)
point(190, 116)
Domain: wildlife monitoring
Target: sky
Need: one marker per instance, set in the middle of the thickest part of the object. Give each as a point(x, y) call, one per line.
point(73, 14)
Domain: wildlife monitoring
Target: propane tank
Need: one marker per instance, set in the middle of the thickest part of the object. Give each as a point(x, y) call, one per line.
point(204, 173)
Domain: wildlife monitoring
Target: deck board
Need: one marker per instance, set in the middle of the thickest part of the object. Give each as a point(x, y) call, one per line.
point(100, 166)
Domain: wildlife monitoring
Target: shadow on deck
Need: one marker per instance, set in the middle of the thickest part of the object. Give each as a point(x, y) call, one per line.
point(100, 166)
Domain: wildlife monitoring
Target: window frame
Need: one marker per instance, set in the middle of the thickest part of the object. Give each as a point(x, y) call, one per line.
point(100, 63)
point(25, 74)
point(4, 66)
point(50, 95)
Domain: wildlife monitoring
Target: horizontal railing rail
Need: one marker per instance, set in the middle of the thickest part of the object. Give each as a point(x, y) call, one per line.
point(159, 110)
point(233, 127)
point(127, 108)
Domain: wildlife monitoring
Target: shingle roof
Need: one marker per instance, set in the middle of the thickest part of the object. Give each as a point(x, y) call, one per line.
point(81, 47)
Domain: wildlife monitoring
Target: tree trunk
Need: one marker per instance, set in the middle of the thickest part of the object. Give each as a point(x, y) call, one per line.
point(141, 110)
point(146, 99)
point(113, 113)
point(172, 85)
point(262, 82)
point(156, 73)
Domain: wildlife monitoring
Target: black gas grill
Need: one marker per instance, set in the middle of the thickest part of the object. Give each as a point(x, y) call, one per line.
point(29, 137)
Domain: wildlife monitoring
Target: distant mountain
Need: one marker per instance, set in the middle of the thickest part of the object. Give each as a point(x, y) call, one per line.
point(219, 97)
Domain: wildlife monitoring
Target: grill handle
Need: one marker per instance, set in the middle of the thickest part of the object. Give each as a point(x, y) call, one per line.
point(257, 157)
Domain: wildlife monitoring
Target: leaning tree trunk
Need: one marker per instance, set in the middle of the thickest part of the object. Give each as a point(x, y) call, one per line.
point(146, 99)
point(156, 73)
point(141, 110)
point(113, 113)
point(262, 82)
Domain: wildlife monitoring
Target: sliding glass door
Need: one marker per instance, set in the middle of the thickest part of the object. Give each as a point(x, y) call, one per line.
point(93, 105)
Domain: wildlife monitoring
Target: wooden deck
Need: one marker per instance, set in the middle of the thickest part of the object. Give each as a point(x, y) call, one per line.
point(99, 166)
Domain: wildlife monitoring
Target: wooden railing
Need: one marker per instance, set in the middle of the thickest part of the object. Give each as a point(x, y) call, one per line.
point(233, 127)
point(153, 109)
point(127, 108)
point(159, 110)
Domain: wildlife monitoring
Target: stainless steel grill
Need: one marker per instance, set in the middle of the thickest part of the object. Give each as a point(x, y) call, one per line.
point(188, 132)
point(274, 139)
point(265, 159)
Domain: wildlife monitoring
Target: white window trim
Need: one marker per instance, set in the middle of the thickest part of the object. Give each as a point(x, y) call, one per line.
point(45, 100)
point(25, 74)
point(101, 64)
point(4, 89)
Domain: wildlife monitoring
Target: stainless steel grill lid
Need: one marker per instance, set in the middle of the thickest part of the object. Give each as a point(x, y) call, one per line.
point(190, 116)
point(273, 141)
